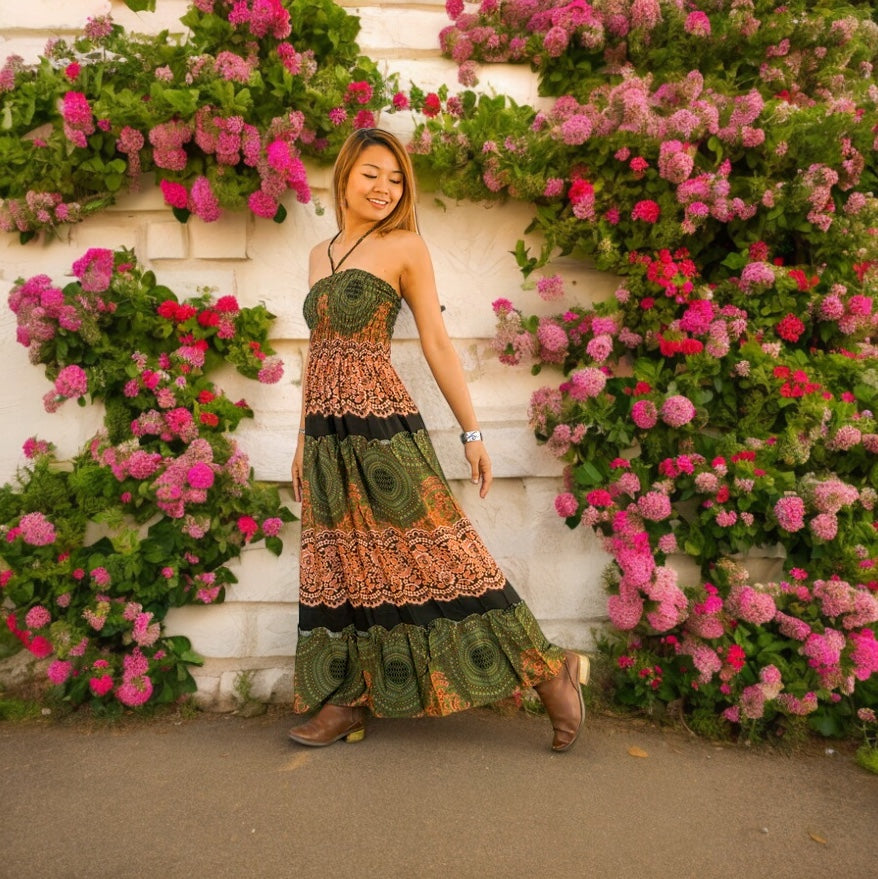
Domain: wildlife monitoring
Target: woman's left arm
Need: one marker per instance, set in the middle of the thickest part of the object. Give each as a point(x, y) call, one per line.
point(418, 288)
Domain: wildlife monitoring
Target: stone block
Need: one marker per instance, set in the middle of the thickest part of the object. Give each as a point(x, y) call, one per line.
point(166, 16)
point(265, 577)
point(103, 230)
point(146, 197)
point(275, 629)
point(226, 238)
point(49, 15)
point(27, 47)
point(273, 685)
point(409, 31)
point(166, 240)
point(187, 280)
point(216, 631)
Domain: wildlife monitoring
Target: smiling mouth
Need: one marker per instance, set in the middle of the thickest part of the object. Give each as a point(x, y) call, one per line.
point(378, 202)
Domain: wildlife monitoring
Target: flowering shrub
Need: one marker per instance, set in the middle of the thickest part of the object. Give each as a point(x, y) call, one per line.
point(720, 159)
point(92, 557)
point(222, 119)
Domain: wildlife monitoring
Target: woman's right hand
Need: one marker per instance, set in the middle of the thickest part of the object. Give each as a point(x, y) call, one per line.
point(296, 470)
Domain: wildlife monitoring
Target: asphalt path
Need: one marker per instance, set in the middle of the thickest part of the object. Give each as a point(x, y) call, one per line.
point(474, 795)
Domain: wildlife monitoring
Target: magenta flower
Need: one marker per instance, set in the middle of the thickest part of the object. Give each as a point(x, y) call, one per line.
point(262, 204)
point(175, 194)
point(200, 475)
point(94, 269)
point(644, 414)
point(204, 203)
point(271, 527)
point(248, 526)
point(71, 382)
point(36, 530)
point(59, 671)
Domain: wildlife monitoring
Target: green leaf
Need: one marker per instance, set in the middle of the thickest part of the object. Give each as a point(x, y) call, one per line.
point(141, 5)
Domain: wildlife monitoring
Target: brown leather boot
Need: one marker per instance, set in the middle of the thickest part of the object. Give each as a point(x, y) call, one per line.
point(329, 724)
point(562, 699)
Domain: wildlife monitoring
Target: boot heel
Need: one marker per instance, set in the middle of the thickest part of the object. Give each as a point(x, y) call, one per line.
point(584, 670)
point(356, 736)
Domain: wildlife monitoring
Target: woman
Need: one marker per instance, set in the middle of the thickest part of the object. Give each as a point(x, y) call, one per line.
point(403, 611)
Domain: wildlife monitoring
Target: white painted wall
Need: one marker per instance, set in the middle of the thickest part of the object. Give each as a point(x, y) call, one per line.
point(557, 571)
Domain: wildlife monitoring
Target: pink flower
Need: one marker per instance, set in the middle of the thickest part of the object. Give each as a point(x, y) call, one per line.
point(271, 372)
point(824, 526)
point(36, 530)
point(790, 512)
point(204, 203)
point(37, 617)
point(654, 505)
point(94, 269)
point(262, 204)
point(586, 383)
point(644, 414)
point(599, 348)
point(271, 527)
point(71, 382)
point(566, 505)
point(677, 411)
point(624, 614)
point(59, 671)
point(697, 24)
point(551, 288)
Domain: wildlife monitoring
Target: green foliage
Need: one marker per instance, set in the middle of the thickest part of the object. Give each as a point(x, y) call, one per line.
point(148, 515)
point(230, 109)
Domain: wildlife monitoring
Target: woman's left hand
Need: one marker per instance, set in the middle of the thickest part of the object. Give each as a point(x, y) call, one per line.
point(480, 465)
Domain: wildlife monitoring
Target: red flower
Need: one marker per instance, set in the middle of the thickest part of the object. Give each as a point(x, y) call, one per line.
point(208, 318)
point(71, 71)
point(646, 210)
point(790, 328)
point(248, 526)
point(432, 105)
point(210, 419)
point(206, 397)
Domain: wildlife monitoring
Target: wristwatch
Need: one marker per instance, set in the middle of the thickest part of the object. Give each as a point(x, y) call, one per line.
point(471, 436)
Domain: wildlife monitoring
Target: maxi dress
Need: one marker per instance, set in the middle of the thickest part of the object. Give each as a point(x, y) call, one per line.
point(403, 610)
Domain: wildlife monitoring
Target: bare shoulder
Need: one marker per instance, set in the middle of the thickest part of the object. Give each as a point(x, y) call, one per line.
point(318, 261)
point(409, 250)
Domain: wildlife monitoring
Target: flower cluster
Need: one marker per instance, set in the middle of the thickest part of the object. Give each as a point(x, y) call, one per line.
point(223, 121)
point(175, 494)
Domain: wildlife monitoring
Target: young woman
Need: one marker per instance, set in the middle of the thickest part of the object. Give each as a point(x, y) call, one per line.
point(403, 611)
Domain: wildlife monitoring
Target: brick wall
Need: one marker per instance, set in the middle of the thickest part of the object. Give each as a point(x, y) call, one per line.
point(557, 571)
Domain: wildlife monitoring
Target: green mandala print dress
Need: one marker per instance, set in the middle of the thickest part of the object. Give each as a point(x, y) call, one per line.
point(402, 608)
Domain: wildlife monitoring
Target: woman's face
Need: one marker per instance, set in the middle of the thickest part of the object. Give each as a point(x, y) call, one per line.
point(375, 185)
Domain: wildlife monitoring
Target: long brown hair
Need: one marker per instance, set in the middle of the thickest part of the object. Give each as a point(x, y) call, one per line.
point(403, 215)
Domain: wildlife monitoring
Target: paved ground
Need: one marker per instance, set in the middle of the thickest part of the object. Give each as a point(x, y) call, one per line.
point(474, 795)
